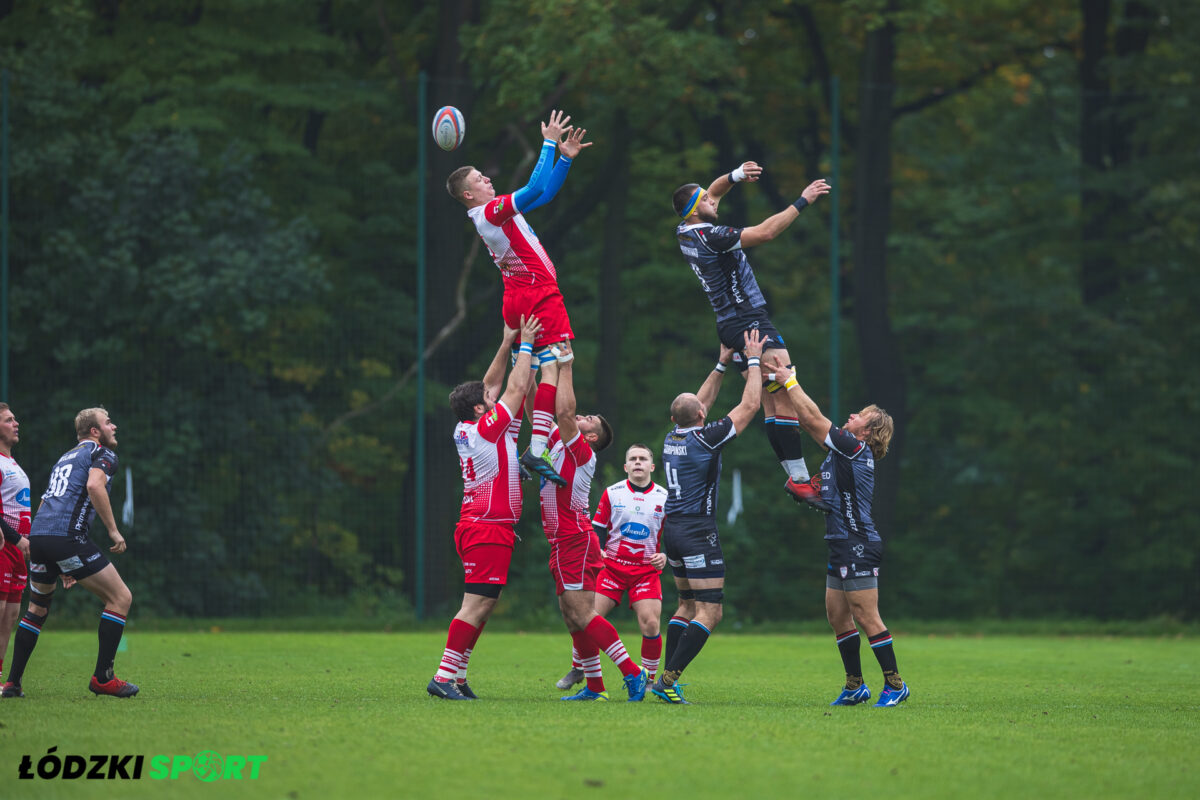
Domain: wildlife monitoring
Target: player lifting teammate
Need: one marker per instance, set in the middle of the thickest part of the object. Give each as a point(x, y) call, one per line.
point(486, 438)
point(717, 255)
point(629, 516)
point(530, 279)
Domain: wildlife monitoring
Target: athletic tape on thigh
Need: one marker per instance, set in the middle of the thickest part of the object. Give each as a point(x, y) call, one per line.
point(710, 595)
point(42, 600)
point(484, 589)
point(687, 594)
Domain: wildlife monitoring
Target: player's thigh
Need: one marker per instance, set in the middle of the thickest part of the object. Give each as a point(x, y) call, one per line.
point(649, 616)
point(108, 585)
point(604, 604)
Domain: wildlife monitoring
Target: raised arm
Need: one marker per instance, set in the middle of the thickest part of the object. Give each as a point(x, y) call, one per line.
point(569, 147)
point(743, 413)
point(775, 224)
point(811, 418)
point(552, 131)
point(748, 171)
point(521, 375)
point(564, 401)
point(493, 379)
point(708, 391)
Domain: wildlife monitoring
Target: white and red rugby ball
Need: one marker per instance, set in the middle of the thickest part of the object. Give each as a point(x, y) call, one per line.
point(449, 128)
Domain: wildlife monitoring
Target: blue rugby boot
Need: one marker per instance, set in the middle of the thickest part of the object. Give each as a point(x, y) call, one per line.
point(636, 686)
point(541, 466)
point(445, 690)
point(464, 689)
point(852, 697)
point(669, 694)
point(890, 697)
point(586, 694)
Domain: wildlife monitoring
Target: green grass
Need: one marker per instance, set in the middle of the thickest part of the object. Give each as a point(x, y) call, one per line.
point(346, 715)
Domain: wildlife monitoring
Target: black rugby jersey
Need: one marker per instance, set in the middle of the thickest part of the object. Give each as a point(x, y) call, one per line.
point(66, 508)
point(848, 484)
point(692, 461)
point(716, 256)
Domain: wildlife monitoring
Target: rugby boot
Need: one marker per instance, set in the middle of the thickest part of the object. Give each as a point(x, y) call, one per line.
point(445, 690)
point(114, 687)
point(852, 697)
point(669, 694)
point(636, 686)
point(890, 698)
point(465, 690)
point(808, 492)
point(11, 689)
point(542, 466)
point(572, 677)
point(586, 694)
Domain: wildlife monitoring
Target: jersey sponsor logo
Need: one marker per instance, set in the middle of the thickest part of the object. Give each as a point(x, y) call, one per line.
point(23, 498)
point(635, 530)
point(712, 539)
point(844, 572)
point(495, 415)
point(694, 562)
point(858, 550)
point(690, 251)
point(462, 438)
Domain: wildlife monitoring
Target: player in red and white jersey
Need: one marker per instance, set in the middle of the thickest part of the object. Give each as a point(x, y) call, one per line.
point(14, 511)
point(530, 279)
point(575, 558)
point(486, 438)
point(630, 515)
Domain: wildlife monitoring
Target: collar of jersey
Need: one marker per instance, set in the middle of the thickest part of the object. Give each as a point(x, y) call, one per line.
point(634, 488)
point(694, 225)
point(686, 430)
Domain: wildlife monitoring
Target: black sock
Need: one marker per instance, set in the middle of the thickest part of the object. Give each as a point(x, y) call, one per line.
point(24, 641)
point(848, 644)
point(787, 440)
point(675, 629)
point(881, 646)
point(690, 644)
point(112, 625)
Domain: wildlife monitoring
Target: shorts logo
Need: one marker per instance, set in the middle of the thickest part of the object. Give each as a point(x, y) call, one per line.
point(93, 557)
point(858, 550)
point(876, 571)
point(844, 572)
point(37, 567)
point(694, 562)
point(712, 539)
point(68, 564)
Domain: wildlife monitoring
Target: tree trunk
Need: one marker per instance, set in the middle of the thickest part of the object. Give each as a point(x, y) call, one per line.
point(879, 352)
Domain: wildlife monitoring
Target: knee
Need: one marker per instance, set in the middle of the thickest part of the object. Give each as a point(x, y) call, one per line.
point(121, 600)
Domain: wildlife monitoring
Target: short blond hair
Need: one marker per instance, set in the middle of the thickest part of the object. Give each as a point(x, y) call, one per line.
point(879, 430)
point(87, 419)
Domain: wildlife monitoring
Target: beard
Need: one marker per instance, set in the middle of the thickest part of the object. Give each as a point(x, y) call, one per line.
point(707, 216)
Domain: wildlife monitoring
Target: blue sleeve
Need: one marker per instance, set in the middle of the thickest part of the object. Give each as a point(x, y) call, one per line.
point(537, 181)
point(557, 176)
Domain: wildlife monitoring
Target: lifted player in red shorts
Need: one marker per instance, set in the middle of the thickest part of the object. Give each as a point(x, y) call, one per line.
point(486, 438)
point(530, 279)
point(630, 515)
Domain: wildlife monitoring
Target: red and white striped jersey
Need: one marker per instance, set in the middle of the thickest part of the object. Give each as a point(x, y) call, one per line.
point(633, 518)
point(487, 455)
point(14, 495)
point(564, 509)
point(514, 246)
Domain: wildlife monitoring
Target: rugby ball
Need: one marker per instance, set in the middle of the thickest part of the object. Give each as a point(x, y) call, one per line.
point(449, 128)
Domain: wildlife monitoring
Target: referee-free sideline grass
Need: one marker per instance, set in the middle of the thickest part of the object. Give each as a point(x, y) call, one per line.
point(346, 715)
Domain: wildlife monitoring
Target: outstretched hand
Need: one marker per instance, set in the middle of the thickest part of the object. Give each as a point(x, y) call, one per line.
point(557, 125)
point(815, 189)
point(752, 171)
point(530, 328)
point(754, 343)
point(574, 142)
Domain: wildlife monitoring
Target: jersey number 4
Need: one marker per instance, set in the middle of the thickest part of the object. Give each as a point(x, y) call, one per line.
point(673, 480)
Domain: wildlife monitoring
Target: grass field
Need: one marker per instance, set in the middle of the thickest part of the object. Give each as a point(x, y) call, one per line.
point(346, 715)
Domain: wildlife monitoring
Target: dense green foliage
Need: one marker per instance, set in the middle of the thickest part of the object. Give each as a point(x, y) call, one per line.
point(1054, 717)
point(213, 234)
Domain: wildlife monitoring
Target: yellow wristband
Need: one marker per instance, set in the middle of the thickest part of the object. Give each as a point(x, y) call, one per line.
point(790, 382)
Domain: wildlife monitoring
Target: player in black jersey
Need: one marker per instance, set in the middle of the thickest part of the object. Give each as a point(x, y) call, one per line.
point(59, 544)
point(855, 546)
point(716, 253)
point(692, 463)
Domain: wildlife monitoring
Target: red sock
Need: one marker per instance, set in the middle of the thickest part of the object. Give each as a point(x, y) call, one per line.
point(462, 669)
point(543, 417)
point(651, 653)
point(458, 639)
point(589, 660)
point(601, 631)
